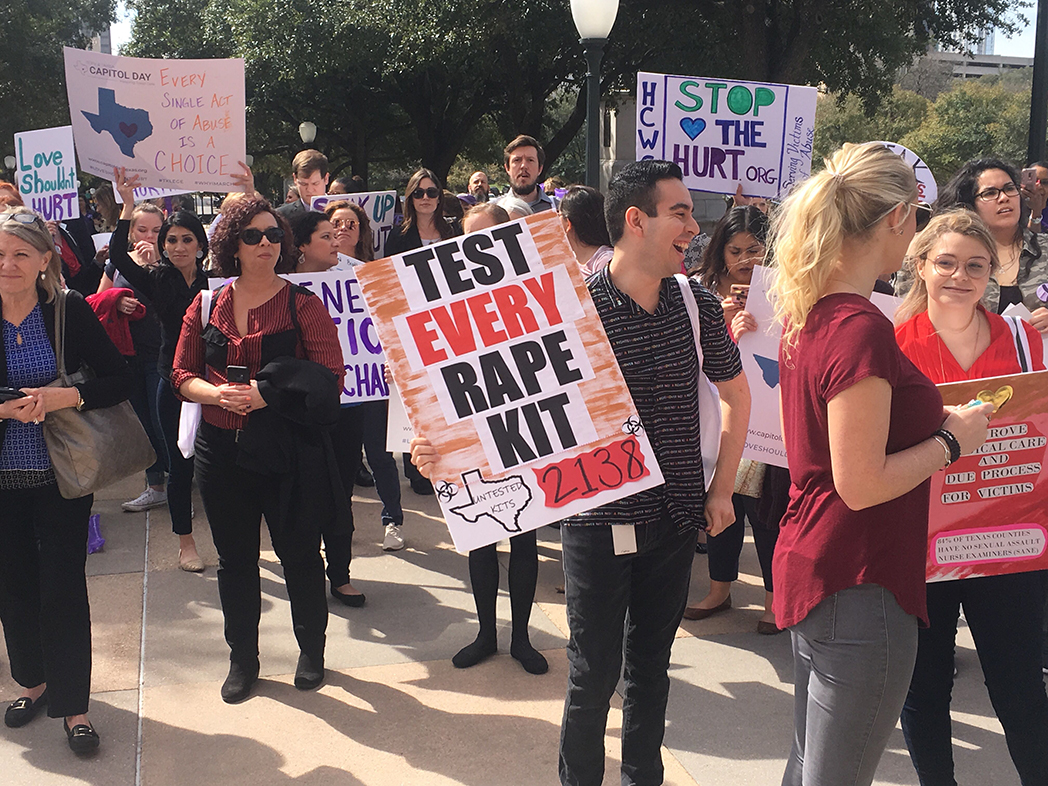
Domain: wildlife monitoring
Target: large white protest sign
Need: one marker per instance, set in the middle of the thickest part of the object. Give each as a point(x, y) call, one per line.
point(504, 366)
point(927, 188)
point(46, 172)
point(722, 132)
point(362, 354)
point(380, 206)
point(177, 124)
point(760, 360)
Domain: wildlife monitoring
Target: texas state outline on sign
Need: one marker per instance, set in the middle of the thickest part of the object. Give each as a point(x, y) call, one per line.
point(500, 500)
point(127, 125)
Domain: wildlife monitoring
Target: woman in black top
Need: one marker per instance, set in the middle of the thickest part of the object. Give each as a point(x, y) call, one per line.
point(423, 225)
point(43, 586)
point(170, 285)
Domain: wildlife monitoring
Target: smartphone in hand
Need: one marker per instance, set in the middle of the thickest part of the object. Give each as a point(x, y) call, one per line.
point(10, 394)
point(237, 375)
point(1029, 178)
point(739, 293)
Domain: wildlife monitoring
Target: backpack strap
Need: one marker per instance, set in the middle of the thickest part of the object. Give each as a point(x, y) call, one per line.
point(1022, 344)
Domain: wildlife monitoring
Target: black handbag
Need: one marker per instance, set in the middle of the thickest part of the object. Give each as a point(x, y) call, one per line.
point(94, 449)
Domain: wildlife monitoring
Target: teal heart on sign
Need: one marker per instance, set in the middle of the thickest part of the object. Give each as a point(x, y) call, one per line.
point(692, 126)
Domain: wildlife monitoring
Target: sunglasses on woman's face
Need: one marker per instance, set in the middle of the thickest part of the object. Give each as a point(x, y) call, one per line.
point(430, 192)
point(253, 237)
point(348, 224)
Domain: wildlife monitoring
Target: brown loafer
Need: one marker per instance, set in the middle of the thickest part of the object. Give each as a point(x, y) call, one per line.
point(768, 628)
point(699, 613)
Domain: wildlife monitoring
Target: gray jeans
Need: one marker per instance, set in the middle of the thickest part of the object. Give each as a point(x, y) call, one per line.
point(853, 657)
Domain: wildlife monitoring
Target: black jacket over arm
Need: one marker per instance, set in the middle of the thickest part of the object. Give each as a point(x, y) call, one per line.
point(85, 342)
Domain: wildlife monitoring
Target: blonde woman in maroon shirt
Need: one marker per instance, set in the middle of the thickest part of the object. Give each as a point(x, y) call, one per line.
point(864, 431)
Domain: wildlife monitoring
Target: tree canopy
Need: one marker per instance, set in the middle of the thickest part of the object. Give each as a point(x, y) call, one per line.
point(32, 72)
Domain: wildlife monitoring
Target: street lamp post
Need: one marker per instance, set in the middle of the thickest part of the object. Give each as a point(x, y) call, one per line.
point(1039, 92)
point(307, 132)
point(594, 20)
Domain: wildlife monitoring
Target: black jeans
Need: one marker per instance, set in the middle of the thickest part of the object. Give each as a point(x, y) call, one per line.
point(43, 594)
point(1005, 615)
point(143, 400)
point(723, 550)
point(180, 468)
point(337, 531)
point(235, 500)
point(374, 415)
point(646, 592)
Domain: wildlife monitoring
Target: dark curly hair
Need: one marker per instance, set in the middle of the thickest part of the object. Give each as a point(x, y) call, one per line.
point(745, 218)
point(225, 243)
point(365, 250)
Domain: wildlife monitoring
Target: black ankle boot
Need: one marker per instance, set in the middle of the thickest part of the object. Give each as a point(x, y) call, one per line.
point(239, 682)
point(310, 671)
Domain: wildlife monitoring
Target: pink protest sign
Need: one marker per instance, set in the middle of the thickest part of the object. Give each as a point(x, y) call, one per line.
point(988, 514)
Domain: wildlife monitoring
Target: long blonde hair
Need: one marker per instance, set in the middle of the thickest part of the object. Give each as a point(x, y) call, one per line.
point(958, 221)
point(859, 187)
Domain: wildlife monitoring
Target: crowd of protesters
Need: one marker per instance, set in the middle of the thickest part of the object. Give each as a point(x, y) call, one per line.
point(841, 536)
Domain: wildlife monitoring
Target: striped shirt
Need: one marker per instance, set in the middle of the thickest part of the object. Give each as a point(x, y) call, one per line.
point(317, 341)
point(656, 353)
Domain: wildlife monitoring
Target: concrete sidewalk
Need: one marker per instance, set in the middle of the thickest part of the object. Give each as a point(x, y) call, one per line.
point(393, 710)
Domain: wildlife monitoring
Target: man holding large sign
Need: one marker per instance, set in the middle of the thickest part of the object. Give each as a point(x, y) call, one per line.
point(627, 563)
point(722, 132)
point(177, 124)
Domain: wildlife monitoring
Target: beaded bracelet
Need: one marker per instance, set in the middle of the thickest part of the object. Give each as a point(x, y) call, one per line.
point(951, 442)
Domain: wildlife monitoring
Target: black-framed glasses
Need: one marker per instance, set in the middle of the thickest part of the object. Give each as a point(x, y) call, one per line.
point(253, 237)
point(432, 192)
point(349, 224)
point(976, 267)
point(990, 194)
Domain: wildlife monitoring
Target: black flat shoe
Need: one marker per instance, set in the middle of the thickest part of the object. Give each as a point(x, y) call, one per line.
point(364, 477)
point(23, 710)
point(82, 738)
point(356, 601)
point(310, 672)
point(421, 486)
point(239, 682)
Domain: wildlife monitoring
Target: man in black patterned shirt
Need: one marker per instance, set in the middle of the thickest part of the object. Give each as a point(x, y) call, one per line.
point(635, 577)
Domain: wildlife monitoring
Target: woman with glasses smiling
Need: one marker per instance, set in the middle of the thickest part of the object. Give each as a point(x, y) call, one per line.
point(423, 225)
point(951, 337)
point(990, 187)
point(267, 366)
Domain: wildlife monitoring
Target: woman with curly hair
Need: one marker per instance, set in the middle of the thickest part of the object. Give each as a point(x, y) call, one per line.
point(267, 367)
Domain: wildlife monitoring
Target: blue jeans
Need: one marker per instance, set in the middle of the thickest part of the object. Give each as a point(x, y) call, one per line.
point(853, 657)
point(1005, 615)
point(383, 466)
point(642, 595)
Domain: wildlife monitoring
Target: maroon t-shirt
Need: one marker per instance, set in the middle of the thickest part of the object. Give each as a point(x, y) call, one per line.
point(824, 546)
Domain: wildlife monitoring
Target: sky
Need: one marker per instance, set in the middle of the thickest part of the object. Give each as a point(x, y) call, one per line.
point(1019, 46)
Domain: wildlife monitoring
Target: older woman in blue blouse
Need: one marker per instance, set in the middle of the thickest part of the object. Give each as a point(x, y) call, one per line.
point(43, 587)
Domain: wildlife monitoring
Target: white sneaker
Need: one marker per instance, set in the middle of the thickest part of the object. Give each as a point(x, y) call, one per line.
point(393, 541)
point(150, 498)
